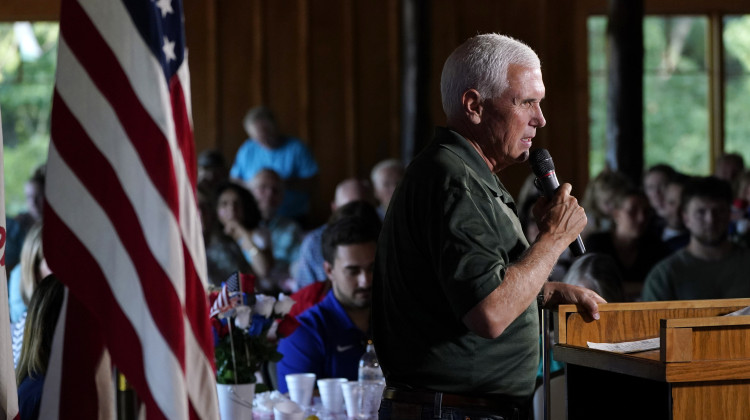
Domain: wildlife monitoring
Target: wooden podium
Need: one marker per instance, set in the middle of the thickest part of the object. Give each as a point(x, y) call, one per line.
point(700, 371)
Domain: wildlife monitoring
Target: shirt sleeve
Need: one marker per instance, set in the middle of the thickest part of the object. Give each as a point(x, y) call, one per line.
point(305, 164)
point(478, 239)
point(303, 353)
point(240, 162)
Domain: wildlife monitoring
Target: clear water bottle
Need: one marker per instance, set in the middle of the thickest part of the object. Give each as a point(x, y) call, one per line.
point(369, 368)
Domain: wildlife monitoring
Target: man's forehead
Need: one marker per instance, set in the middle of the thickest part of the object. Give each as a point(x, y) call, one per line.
point(702, 201)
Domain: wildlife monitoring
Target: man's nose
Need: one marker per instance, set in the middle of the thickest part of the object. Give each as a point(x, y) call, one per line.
point(364, 280)
point(539, 120)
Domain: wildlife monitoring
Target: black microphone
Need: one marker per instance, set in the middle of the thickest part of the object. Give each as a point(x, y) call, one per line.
point(547, 183)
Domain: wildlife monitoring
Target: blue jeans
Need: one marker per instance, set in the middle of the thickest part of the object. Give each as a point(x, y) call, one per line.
point(395, 410)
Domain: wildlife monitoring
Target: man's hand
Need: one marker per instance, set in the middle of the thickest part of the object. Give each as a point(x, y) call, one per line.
point(556, 293)
point(560, 218)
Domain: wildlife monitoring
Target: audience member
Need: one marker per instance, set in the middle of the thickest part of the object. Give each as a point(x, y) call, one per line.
point(598, 272)
point(598, 200)
point(674, 235)
point(331, 336)
point(654, 182)
point(26, 276)
point(239, 217)
point(729, 166)
point(711, 266)
point(385, 176)
point(309, 267)
point(316, 291)
point(286, 235)
point(212, 169)
point(236, 243)
point(17, 227)
point(288, 156)
point(630, 242)
point(44, 310)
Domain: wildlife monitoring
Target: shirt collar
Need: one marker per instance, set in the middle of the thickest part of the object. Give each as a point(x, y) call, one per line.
point(459, 145)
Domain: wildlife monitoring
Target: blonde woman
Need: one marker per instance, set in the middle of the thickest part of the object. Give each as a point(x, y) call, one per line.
point(32, 269)
point(42, 315)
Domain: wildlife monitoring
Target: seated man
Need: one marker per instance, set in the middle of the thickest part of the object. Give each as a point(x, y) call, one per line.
point(711, 266)
point(331, 336)
point(288, 156)
point(286, 235)
point(309, 267)
point(385, 176)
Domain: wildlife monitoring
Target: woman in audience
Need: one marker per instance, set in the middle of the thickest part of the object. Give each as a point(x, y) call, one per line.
point(632, 245)
point(33, 268)
point(44, 309)
point(597, 200)
point(238, 217)
point(655, 182)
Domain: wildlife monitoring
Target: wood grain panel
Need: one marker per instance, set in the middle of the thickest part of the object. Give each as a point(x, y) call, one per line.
point(631, 321)
point(327, 98)
point(280, 67)
point(200, 34)
point(33, 10)
point(719, 401)
point(238, 67)
point(376, 100)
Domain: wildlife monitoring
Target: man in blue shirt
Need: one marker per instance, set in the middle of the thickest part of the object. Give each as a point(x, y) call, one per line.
point(332, 335)
point(288, 156)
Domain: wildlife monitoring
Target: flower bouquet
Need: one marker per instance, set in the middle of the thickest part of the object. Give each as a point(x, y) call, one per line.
point(245, 327)
point(244, 330)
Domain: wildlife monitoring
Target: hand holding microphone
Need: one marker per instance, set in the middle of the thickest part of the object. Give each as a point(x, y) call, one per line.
point(546, 181)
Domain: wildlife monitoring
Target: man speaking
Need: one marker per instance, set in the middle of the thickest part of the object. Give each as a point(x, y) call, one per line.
point(456, 284)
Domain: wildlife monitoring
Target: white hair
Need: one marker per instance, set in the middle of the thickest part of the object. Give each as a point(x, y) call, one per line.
point(482, 63)
point(384, 164)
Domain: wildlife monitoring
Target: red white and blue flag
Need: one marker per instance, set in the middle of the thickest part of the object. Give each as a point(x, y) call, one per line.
point(121, 227)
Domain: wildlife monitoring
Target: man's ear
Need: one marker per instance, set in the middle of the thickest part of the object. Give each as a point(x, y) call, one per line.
point(471, 103)
point(328, 268)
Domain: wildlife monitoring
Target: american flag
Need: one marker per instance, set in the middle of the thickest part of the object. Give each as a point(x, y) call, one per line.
point(121, 227)
point(8, 392)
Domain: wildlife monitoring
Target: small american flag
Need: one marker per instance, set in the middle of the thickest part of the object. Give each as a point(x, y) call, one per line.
point(121, 227)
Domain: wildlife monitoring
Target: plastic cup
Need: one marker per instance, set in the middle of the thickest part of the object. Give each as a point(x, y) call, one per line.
point(331, 394)
point(353, 394)
point(301, 387)
point(371, 396)
point(288, 410)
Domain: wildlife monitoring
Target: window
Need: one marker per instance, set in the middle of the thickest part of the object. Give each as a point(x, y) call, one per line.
point(28, 56)
point(678, 91)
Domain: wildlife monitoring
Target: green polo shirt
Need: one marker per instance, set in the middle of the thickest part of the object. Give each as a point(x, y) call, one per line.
point(450, 233)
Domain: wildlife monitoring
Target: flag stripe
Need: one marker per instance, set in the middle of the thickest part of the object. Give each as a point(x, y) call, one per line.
point(77, 375)
point(121, 200)
point(108, 77)
point(162, 369)
point(119, 332)
point(103, 125)
point(100, 180)
point(142, 81)
point(8, 391)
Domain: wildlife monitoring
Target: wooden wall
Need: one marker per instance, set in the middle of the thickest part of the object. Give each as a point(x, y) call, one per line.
point(331, 71)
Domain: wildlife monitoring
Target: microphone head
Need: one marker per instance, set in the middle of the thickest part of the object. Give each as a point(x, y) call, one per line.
point(541, 162)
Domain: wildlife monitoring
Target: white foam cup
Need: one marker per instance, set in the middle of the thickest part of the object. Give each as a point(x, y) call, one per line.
point(301, 387)
point(331, 394)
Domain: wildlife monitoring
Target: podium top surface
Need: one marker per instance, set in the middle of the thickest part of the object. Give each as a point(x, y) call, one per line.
point(697, 343)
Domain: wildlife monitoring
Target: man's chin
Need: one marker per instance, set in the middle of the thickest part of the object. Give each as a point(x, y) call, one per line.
point(523, 157)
